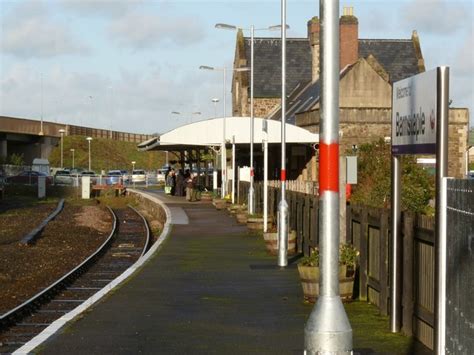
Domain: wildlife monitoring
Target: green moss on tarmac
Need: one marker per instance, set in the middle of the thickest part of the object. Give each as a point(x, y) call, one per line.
point(371, 330)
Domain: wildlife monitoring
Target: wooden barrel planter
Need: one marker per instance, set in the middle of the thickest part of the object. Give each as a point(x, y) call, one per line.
point(219, 203)
point(271, 242)
point(309, 277)
point(256, 223)
point(206, 196)
point(234, 209)
point(241, 217)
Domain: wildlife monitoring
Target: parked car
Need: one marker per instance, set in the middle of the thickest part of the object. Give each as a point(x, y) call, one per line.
point(114, 177)
point(63, 177)
point(125, 175)
point(28, 177)
point(138, 175)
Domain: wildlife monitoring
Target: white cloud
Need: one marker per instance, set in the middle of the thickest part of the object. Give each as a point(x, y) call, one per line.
point(142, 31)
point(136, 101)
point(439, 17)
point(106, 8)
point(29, 32)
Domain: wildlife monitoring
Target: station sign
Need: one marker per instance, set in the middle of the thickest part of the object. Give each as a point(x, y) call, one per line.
point(414, 114)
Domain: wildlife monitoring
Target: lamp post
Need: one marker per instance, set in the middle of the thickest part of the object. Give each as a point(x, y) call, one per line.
point(72, 151)
point(89, 139)
point(283, 205)
point(61, 132)
point(328, 330)
point(251, 197)
point(41, 126)
point(223, 148)
point(133, 165)
point(215, 100)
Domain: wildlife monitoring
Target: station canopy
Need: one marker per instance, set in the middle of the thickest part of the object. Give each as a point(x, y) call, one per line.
point(209, 133)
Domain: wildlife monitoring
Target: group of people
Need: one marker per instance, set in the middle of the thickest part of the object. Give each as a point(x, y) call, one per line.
point(181, 184)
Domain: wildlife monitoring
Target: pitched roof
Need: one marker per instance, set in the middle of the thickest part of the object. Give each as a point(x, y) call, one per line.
point(397, 56)
point(267, 67)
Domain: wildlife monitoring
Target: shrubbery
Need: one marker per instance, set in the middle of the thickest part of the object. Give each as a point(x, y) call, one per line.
point(374, 180)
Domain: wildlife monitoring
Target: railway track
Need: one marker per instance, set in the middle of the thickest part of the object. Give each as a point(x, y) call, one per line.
point(128, 241)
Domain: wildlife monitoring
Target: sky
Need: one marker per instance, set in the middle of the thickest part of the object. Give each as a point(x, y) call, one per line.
point(127, 65)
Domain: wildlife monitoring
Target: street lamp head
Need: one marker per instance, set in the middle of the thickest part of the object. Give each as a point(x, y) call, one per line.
point(242, 69)
point(196, 113)
point(215, 100)
point(61, 131)
point(133, 162)
point(277, 27)
point(224, 26)
point(72, 149)
point(205, 67)
point(89, 139)
point(175, 113)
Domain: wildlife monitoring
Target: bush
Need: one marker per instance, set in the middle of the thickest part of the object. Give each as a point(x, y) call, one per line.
point(374, 179)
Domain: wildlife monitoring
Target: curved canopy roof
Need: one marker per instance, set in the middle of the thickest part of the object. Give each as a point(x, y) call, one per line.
point(209, 133)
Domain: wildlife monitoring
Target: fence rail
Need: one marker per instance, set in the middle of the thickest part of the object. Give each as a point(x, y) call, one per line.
point(369, 230)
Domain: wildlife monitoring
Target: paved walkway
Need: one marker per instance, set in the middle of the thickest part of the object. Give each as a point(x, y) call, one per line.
point(211, 288)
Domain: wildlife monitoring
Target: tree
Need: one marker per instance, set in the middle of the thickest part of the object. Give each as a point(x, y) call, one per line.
point(374, 183)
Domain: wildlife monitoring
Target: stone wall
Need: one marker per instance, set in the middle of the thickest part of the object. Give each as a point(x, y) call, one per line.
point(359, 126)
point(263, 106)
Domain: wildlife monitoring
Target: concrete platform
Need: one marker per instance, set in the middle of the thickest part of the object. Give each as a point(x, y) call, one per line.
point(210, 289)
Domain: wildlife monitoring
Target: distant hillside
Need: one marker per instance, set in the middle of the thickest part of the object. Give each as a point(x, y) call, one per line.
point(105, 155)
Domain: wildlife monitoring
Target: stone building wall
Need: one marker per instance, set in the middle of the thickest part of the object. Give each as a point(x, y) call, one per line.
point(359, 126)
point(263, 106)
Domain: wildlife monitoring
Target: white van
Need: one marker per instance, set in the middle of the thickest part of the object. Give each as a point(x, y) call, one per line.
point(41, 166)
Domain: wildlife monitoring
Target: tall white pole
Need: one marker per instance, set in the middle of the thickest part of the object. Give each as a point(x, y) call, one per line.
point(72, 150)
point(41, 128)
point(89, 154)
point(283, 205)
point(252, 173)
point(265, 176)
point(62, 140)
point(328, 330)
point(223, 149)
point(233, 169)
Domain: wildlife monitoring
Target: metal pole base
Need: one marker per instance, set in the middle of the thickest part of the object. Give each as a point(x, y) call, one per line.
point(251, 199)
point(283, 233)
point(328, 330)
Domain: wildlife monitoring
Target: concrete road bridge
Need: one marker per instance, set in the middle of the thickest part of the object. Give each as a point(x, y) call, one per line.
point(22, 136)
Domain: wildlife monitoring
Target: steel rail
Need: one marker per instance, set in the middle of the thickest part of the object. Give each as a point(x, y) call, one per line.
point(147, 228)
point(8, 317)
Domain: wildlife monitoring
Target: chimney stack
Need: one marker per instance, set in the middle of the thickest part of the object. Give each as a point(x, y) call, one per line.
point(313, 36)
point(348, 38)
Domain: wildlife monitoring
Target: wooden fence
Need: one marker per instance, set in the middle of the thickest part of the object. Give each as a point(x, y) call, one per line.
point(369, 231)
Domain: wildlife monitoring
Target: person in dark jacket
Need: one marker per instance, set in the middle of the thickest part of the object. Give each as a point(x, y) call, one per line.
point(179, 184)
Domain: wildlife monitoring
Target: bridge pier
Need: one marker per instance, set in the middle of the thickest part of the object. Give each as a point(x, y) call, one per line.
point(3, 148)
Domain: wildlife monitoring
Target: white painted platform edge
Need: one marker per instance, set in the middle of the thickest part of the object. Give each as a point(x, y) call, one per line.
point(59, 323)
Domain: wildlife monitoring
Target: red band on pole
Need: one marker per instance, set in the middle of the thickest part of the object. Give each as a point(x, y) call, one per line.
point(251, 172)
point(283, 175)
point(328, 167)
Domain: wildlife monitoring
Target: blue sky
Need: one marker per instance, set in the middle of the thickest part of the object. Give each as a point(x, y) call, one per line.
point(129, 64)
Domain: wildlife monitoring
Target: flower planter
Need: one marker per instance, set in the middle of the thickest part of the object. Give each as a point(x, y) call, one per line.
point(309, 276)
point(219, 203)
point(256, 223)
point(234, 209)
point(271, 242)
point(241, 217)
point(206, 196)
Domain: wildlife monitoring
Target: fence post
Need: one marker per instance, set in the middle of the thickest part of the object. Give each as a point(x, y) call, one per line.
point(408, 255)
point(363, 258)
point(384, 262)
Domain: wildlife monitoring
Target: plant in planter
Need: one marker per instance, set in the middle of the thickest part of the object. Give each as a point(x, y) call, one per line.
point(255, 221)
point(271, 241)
point(308, 269)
